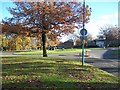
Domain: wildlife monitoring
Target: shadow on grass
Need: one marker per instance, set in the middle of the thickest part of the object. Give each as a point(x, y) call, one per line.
point(26, 68)
point(40, 68)
point(39, 85)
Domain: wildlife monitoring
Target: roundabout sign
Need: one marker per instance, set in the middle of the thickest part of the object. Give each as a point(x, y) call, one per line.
point(83, 32)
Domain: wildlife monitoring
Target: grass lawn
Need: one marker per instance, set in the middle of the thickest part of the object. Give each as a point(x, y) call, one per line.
point(56, 51)
point(43, 73)
point(117, 52)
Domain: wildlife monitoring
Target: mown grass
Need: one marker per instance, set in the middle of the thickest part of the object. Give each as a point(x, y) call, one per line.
point(38, 73)
point(56, 51)
point(117, 52)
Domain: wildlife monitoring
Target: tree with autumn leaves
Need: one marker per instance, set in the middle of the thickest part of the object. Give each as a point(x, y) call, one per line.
point(51, 19)
point(14, 37)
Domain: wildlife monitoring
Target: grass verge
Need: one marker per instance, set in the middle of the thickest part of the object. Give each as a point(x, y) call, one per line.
point(56, 51)
point(38, 73)
point(117, 52)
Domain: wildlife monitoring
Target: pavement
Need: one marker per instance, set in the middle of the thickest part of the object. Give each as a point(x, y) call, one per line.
point(100, 58)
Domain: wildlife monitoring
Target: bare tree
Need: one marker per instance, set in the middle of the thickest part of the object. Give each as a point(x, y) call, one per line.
point(110, 34)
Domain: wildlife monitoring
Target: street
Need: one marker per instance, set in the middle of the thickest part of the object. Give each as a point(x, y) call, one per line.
point(104, 59)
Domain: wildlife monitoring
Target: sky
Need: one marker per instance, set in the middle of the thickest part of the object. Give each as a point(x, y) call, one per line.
point(104, 12)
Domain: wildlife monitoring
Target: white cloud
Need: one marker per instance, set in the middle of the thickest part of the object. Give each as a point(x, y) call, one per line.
point(94, 25)
point(101, 0)
point(65, 38)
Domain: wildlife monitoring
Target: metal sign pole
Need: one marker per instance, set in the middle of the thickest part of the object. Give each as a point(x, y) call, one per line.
point(83, 33)
point(83, 14)
point(82, 52)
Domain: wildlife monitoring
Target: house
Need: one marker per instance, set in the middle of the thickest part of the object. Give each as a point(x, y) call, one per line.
point(96, 43)
point(91, 43)
point(100, 42)
point(67, 44)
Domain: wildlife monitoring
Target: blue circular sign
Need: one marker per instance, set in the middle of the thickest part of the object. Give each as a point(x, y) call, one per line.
point(83, 32)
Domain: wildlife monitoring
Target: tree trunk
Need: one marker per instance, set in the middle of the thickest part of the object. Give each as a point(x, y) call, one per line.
point(44, 42)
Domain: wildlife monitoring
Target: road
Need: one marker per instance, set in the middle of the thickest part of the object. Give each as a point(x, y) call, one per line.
point(104, 53)
point(105, 59)
point(100, 58)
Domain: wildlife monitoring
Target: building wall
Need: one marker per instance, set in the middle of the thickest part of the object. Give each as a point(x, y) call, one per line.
point(67, 44)
point(100, 43)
